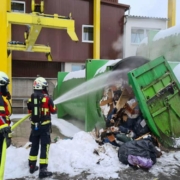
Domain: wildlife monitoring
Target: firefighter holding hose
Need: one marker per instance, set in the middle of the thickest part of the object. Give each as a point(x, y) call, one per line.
point(41, 106)
point(5, 129)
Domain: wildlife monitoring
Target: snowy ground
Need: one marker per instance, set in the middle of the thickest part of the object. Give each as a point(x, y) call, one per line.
point(74, 159)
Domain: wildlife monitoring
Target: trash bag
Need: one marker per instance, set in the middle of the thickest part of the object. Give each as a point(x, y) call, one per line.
point(140, 127)
point(143, 148)
point(140, 161)
point(123, 137)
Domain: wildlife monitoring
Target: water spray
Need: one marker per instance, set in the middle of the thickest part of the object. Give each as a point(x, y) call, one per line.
point(97, 83)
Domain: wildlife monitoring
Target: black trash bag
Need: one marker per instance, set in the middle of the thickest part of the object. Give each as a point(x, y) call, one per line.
point(140, 127)
point(143, 148)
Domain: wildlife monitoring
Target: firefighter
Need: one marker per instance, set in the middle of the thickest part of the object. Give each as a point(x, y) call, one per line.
point(5, 129)
point(41, 106)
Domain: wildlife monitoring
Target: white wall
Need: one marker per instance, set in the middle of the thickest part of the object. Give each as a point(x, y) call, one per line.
point(139, 22)
point(67, 67)
point(23, 87)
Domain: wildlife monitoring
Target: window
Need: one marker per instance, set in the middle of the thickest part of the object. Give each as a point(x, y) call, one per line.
point(18, 6)
point(76, 67)
point(137, 34)
point(87, 33)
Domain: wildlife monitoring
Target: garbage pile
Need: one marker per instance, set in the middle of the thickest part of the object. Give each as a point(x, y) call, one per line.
point(126, 128)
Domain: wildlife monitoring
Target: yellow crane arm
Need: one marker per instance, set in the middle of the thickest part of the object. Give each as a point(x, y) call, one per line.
point(46, 21)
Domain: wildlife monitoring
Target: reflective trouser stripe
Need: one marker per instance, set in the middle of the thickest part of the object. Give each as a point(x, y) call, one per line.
point(33, 158)
point(45, 161)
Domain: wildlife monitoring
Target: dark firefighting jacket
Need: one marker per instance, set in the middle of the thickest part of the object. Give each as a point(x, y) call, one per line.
point(41, 106)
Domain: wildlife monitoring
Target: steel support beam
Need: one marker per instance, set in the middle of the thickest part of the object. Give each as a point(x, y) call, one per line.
point(35, 48)
point(3, 41)
point(9, 56)
point(36, 21)
point(32, 36)
point(44, 21)
point(171, 13)
point(96, 32)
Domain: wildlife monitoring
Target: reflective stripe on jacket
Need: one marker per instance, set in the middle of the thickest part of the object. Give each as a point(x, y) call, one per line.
point(4, 112)
point(47, 108)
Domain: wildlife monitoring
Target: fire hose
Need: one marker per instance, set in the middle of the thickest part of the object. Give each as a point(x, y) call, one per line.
point(4, 147)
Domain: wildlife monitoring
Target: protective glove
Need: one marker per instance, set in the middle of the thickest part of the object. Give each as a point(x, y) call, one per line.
point(6, 131)
point(8, 96)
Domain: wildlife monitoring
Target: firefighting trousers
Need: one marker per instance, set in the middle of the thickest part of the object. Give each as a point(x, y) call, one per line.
point(40, 138)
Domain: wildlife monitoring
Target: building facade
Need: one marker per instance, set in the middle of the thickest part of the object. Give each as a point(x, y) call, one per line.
point(136, 28)
point(67, 54)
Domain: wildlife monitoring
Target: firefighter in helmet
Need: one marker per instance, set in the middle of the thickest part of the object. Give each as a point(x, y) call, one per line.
point(41, 106)
point(5, 129)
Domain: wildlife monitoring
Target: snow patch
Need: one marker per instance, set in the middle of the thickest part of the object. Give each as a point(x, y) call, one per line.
point(76, 155)
point(65, 128)
point(109, 63)
point(173, 31)
point(75, 75)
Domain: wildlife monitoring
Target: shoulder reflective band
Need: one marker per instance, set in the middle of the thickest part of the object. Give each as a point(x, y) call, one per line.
point(44, 100)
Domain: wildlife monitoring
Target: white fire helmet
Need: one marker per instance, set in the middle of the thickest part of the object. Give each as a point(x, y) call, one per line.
point(4, 80)
point(40, 83)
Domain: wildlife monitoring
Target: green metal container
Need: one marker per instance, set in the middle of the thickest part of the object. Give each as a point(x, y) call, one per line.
point(157, 91)
point(93, 115)
point(74, 107)
point(83, 108)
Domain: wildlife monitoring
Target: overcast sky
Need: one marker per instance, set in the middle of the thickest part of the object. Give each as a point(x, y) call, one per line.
point(152, 8)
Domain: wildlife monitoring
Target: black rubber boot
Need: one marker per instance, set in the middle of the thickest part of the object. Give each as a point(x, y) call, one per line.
point(44, 173)
point(33, 168)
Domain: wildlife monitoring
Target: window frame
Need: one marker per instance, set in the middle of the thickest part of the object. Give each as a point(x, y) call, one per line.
point(145, 32)
point(19, 2)
point(82, 65)
point(83, 40)
point(136, 28)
